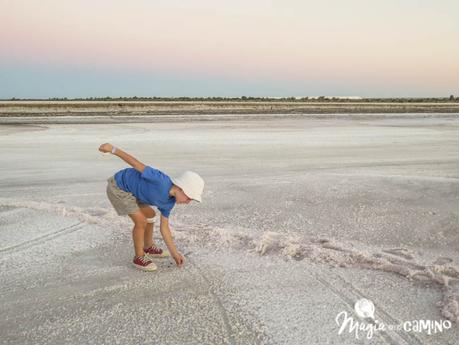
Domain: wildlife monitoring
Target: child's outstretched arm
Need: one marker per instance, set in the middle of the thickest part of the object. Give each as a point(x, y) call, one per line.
point(167, 237)
point(139, 166)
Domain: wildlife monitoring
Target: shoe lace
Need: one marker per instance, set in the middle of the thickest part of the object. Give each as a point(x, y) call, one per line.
point(155, 250)
point(144, 259)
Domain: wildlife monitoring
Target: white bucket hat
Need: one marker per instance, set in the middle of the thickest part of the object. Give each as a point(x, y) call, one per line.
point(191, 183)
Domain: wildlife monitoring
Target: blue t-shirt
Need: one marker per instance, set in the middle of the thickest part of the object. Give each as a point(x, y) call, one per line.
point(150, 187)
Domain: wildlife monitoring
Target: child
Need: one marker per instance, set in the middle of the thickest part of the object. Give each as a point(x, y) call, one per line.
point(131, 191)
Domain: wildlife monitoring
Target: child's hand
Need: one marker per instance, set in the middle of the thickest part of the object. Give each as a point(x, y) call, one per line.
point(179, 258)
point(106, 148)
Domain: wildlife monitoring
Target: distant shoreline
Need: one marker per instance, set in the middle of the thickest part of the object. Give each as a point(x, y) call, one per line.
point(152, 111)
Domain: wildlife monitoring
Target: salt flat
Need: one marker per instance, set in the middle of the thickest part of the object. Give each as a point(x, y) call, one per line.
point(300, 218)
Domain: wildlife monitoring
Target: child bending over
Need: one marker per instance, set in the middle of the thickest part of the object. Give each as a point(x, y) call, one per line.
point(132, 191)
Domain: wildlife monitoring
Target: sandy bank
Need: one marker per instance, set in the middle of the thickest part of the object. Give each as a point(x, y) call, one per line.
point(61, 108)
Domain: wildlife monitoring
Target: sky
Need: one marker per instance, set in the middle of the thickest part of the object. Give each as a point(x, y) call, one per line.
point(229, 48)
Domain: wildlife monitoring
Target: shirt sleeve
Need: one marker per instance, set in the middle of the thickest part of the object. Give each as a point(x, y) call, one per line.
point(151, 174)
point(165, 212)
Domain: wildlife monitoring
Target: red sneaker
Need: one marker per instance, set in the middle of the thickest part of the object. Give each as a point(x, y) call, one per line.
point(156, 252)
point(144, 263)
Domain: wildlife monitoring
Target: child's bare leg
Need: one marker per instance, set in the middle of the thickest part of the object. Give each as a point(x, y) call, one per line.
point(148, 212)
point(138, 232)
point(148, 237)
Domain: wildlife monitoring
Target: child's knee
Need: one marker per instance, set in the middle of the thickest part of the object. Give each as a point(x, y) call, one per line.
point(148, 212)
point(139, 219)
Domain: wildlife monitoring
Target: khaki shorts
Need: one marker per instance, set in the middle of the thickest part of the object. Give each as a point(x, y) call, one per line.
point(123, 202)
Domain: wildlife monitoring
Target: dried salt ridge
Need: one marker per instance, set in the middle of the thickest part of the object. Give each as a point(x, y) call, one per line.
point(401, 261)
point(397, 260)
point(441, 272)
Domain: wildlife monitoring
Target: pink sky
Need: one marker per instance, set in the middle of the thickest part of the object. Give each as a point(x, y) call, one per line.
point(401, 43)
